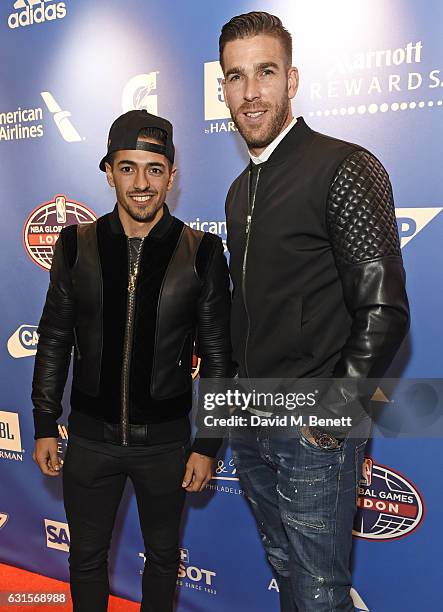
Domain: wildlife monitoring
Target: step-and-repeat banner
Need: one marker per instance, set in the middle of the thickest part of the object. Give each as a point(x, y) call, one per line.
point(371, 72)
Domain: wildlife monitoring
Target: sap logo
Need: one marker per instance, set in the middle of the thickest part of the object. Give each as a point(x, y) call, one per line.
point(30, 12)
point(215, 107)
point(23, 342)
point(3, 519)
point(57, 535)
point(411, 221)
point(10, 438)
point(61, 118)
point(137, 93)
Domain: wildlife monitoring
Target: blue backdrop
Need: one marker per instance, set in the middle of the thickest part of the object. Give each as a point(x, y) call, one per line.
point(370, 73)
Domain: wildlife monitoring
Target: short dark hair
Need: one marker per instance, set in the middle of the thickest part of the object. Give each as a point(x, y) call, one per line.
point(150, 132)
point(252, 24)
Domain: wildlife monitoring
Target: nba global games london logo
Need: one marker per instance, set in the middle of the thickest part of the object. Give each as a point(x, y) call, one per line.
point(44, 224)
point(389, 505)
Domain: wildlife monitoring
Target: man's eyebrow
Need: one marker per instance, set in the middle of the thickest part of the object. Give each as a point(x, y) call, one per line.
point(257, 68)
point(234, 70)
point(264, 65)
point(128, 162)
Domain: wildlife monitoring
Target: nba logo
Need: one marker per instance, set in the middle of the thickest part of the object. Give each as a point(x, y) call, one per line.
point(60, 205)
point(366, 472)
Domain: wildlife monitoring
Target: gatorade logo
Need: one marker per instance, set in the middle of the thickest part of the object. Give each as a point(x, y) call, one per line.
point(137, 93)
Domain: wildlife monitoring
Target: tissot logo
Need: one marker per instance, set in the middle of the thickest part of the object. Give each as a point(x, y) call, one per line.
point(32, 12)
point(194, 577)
point(137, 93)
point(23, 342)
point(411, 221)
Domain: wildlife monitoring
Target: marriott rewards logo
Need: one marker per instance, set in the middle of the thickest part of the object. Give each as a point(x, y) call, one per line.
point(377, 80)
point(32, 12)
point(367, 82)
point(28, 123)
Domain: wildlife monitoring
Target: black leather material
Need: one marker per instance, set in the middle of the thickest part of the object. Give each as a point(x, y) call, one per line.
point(189, 303)
point(87, 282)
point(361, 223)
point(56, 331)
point(176, 318)
point(361, 214)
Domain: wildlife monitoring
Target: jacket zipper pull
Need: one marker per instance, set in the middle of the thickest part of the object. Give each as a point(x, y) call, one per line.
point(132, 279)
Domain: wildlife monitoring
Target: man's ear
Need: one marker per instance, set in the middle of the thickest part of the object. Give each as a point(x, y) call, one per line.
point(171, 177)
point(109, 175)
point(293, 81)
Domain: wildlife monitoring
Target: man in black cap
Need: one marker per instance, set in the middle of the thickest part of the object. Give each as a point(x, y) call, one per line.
point(130, 292)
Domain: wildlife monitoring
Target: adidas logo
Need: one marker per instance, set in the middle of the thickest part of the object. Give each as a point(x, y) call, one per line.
point(30, 12)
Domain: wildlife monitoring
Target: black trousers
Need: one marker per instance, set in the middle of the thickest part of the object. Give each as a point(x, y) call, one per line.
point(94, 476)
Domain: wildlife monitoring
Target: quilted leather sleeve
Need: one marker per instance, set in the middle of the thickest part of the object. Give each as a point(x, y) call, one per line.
point(361, 214)
point(54, 348)
point(363, 232)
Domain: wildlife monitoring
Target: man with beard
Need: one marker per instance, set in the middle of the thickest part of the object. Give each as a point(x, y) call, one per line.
point(319, 292)
point(130, 292)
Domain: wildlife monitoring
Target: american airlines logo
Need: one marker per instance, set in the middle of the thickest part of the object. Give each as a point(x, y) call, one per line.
point(61, 118)
point(32, 12)
point(411, 221)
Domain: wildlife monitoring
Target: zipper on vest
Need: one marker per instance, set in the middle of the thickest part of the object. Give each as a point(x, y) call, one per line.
point(251, 204)
point(133, 270)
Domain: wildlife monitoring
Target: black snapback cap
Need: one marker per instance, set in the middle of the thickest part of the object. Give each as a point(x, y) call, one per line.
point(124, 135)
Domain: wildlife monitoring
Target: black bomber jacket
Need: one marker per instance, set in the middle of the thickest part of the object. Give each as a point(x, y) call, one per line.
point(319, 285)
point(133, 341)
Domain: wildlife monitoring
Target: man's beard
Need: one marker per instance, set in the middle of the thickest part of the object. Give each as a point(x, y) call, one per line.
point(260, 139)
point(142, 214)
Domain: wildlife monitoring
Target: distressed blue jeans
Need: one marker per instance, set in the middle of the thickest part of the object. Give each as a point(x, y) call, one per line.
point(304, 501)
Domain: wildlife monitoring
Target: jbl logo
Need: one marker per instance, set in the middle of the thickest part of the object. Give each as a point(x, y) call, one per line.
point(5, 432)
point(10, 431)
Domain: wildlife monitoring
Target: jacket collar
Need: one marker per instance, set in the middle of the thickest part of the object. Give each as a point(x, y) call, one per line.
point(159, 230)
point(297, 138)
